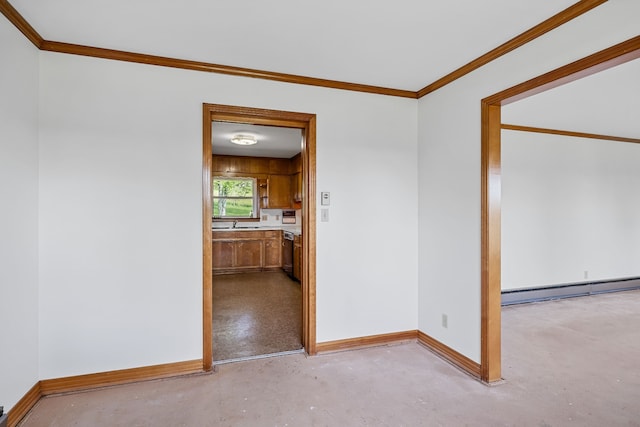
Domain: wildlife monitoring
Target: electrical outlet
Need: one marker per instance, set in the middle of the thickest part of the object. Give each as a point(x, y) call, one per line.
point(445, 321)
point(277, 217)
point(586, 274)
point(265, 217)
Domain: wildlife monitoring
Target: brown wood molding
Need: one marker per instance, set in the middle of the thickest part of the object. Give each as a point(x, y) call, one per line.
point(491, 185)
point(449, 354)
point(123, 376)
point(368, 341)
point(20, 23)
point(570, 133)
point(207, 241)
point(618, 54)
point(555, 21)
point(490, 296)
point(118, 55)
point(308, 160)
point(24, 405)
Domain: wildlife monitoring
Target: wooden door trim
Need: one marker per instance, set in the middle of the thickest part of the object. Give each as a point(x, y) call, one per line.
point(491, 185)
point(307, 123)
point(569, 133)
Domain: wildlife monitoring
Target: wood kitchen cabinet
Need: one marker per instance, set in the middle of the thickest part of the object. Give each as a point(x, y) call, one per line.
point(279, 180)
point(273, 252)
point(296, 187)
point(222, 254)
point(297, 257)
point(238, 251)
point(279, 192)
point(295, 171)
point(249, 254)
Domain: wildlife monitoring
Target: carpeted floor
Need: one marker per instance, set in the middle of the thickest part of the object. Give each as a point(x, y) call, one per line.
point(255, 314)
point(573, 362)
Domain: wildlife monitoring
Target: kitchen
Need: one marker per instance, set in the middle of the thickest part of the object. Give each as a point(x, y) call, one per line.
point(257, 240)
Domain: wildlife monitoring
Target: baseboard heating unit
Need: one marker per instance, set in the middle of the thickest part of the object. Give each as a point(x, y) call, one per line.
point(570, 290)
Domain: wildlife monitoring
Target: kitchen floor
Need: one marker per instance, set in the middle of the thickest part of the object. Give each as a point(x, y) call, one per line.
point(255, 314)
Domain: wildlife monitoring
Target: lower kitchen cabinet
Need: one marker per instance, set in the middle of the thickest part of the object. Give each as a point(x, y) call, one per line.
point(238, 251)
point(297, 258)
point(273, 253)
point(249, 254)
point(222, 254)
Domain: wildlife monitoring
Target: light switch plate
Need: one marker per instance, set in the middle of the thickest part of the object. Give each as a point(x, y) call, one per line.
point(324, 215)
point(325, 198)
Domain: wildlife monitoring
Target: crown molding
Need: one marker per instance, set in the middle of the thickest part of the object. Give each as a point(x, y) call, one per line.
point(119, 55)
point(555, 21)
point(20, 23)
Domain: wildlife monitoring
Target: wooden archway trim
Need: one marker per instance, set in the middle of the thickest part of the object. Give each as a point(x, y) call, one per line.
point(491, 185)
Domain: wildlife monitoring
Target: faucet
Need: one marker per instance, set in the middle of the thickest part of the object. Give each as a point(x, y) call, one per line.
point(235, 223)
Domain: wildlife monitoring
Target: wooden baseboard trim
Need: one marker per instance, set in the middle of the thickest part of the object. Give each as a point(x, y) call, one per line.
point(124, 376)
point(368, 341)
point(449, 354)
point(24, 405)
point(102, 379)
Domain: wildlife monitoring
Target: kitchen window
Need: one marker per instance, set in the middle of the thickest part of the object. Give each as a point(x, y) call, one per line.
point(235, 197)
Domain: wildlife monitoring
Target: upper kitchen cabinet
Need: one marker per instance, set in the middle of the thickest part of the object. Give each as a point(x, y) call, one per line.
point(296, 187)
point(258, 167)
point(279, 181)
point(296, 179)
point(279, 192)
point(245, 166)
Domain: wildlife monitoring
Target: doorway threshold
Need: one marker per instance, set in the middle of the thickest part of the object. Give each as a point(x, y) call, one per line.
point(259, 356)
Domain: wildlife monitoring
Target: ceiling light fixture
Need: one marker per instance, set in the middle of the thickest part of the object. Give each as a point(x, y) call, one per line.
point(243, 139)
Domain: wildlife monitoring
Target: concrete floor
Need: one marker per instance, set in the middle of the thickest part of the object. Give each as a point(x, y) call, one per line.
point(255, 314)
point(569, 362)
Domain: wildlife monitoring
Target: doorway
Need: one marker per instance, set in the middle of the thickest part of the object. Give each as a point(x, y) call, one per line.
point(491, 186)
point(305, 125)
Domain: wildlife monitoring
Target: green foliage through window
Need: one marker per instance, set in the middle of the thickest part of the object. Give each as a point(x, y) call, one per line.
point(234, 197)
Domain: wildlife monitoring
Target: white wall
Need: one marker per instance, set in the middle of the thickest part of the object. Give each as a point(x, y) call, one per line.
point(18, 215)
point(569, 206)
point(120, 210)
point(449, 168)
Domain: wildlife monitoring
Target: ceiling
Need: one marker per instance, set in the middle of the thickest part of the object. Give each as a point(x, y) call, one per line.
point(402, 44)
point(272, 141)
point(604, 103)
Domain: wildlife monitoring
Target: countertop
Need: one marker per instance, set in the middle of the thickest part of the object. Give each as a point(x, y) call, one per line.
point(295, 229)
